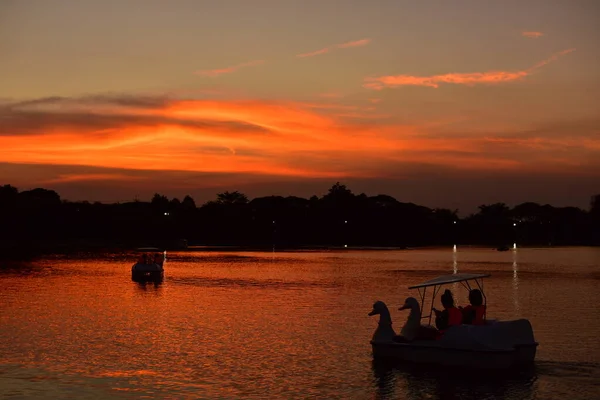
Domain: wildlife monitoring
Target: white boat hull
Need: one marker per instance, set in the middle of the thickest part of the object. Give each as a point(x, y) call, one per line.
point(496, 345)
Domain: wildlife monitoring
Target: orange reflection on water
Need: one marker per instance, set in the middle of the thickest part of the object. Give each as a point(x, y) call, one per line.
point(249, 324)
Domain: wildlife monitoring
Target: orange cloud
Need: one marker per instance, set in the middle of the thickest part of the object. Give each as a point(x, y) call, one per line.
point(357, 43)
point(364, 116)
point(532, 35)
point(473, 78)
point(434, 81)
point(328, 106)
point(550, 59)
point(260, 138)
point(218, 72)
point(314, 53)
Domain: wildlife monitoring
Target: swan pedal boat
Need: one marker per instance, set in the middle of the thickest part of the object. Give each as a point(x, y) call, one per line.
point(497, 345)
point(152, 272)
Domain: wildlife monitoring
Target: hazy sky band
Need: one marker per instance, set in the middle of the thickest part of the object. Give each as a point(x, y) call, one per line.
point(269, 92)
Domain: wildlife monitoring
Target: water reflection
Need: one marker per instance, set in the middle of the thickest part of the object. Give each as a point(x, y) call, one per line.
point(154, 288)
point(297, 324)
point(384, 379)
point(515, 282)
point(454, 261)
point(410, 381)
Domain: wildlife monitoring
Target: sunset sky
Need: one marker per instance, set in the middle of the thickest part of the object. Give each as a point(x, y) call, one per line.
point(441, 103)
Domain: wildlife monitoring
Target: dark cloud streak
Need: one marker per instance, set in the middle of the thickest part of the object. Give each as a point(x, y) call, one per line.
point(134, 101)
point(27, 118)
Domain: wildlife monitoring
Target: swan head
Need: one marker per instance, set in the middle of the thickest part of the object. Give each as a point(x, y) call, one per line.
point(411, 304)
point(384, 331)
point(379, 307)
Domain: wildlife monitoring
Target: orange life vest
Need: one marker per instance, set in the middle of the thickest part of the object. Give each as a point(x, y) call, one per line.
point(454, 318)
point(479, 314)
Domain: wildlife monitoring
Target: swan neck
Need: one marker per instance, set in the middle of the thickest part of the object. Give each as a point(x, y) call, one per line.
point(385, 318)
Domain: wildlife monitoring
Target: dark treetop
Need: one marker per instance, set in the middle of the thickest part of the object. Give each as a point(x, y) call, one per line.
point(338, 218)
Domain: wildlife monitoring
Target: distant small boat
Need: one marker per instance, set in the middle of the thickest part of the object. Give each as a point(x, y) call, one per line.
point(149, 270)
point(502, 248)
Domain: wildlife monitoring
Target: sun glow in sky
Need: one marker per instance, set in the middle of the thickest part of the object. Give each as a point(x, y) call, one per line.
point(440, 103)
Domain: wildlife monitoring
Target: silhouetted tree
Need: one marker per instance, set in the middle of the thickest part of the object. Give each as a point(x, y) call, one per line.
point(495, 220)
point(174, 204)
point(160, 202)
point(595, 218)
point(385, 201)
point(595, 204)
point(8, 191)
point(188, 203)
point(337, 218)
point(8, 196)
point(445, 215)
point(39, 197)
point(339, 192)
point(232, 198)
point(497, 211)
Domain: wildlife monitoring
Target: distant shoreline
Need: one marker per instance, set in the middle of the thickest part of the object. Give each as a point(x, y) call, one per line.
point(24, 251)
point(39, 222)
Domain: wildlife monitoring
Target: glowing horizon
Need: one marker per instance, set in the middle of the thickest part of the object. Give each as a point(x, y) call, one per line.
point(336, 104)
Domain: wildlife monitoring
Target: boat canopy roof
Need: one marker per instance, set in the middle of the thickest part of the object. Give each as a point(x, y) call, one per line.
point(441, 280)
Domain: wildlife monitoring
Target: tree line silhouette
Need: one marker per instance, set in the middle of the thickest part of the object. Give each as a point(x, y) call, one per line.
point(338, 218)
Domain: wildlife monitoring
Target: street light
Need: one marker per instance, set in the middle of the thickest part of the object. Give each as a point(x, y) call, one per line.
point(454, 236)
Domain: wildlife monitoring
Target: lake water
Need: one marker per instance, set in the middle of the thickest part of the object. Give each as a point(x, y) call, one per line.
point(282, 325)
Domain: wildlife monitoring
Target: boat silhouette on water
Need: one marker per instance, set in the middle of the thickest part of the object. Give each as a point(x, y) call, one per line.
point(493, 345)
point(149, 268)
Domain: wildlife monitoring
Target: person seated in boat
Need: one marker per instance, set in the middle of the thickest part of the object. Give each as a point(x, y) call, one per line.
point(450, 316)
point(474, 313)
